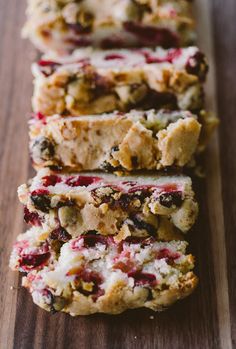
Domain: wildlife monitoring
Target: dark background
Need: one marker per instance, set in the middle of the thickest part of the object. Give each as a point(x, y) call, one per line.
point(207, 319)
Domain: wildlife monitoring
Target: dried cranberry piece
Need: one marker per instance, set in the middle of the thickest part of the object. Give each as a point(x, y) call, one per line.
point(50, 180)
point(31, 217)
point(143, 241)
point(197, 65)
point(143, 279)
point(47, 67)
point(167, 254)
point(40, 192)
point(44, 63)
point(60, 234)
point(113, 56)
point(171, 56)
point(153, 36)
point(31, 261)
point(41, 199)
point(39, 116)
point(81, 181)
point(171, 198)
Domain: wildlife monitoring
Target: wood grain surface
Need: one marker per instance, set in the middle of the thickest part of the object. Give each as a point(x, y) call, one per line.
point(207, 319)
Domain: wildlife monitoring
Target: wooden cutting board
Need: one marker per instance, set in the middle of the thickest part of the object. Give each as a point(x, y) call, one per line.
point(207, 319)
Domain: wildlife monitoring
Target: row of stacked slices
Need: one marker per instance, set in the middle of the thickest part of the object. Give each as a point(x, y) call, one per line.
point(119, 90)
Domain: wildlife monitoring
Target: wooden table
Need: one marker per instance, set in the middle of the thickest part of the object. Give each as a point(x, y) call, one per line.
point(207, 319)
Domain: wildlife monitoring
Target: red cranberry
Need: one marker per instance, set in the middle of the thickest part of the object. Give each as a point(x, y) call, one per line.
point(171, 56)
point(47, 67)
point(39, 116)
point(32, 261)
point(81, 181)
point(40, 192)
point(90, 240)
point(143, 279)
point(168, 188)
point(50, 180)
point(31, 217)
point(44, 63)
point(113, 56)
point(167, 254)
point(153, 36)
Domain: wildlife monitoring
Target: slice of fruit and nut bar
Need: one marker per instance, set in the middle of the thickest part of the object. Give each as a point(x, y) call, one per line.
point(92, 273)
point(117, 141)
point(94, 81)
point(130, 206)
point(64, 25)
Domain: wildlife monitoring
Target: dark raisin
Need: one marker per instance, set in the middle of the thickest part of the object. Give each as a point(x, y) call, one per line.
point(32, 261)
point(91, 239)
point(31, 217)
point(45, 147)
point(142, 225)
point(41, 200)
point(148, 35)
point(65, 202)
point(142, 241)
point(60, 234)
point(50, 180)
point(170, 199)
point(197, 65)
point(159, 100)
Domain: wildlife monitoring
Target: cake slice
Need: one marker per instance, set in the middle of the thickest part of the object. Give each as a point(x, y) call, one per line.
point(95, 274)
point(64, 25)
point(130, 206)
point(94, 81)
point(119, 141)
